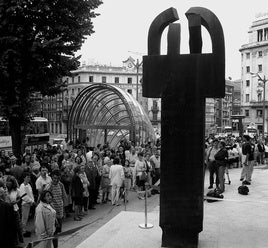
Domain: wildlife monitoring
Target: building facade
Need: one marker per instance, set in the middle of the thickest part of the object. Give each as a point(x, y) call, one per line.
point(219, 111)
point(129, 77)
point(254, 62)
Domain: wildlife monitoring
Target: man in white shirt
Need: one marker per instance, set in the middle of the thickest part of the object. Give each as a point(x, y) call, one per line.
point(27, 202)
point(89, 154)
point(155, 163)
point(116, 176)
point(43, 180)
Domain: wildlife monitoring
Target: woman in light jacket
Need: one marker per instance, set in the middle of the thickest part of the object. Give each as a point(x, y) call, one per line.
point(45, 218)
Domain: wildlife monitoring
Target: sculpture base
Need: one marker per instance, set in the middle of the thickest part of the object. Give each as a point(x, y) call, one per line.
point(146, 226)
point(173, 237)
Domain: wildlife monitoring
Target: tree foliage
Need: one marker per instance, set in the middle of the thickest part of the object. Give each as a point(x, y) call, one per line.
point(38, 41)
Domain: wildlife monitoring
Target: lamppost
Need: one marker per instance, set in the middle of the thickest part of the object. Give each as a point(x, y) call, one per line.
point(137, 66)
point(262, 83)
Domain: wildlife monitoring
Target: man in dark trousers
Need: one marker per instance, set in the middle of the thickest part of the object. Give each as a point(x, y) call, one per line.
point(221, 158)
point(212, 163)
point(248, 150)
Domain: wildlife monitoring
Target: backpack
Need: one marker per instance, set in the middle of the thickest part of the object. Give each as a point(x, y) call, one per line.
point(215, 194)
point(243, 190)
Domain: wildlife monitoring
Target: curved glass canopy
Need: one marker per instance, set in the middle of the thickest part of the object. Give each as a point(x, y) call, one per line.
point(106, 113)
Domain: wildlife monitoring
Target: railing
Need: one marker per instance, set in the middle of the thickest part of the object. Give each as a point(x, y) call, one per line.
point(258, 103)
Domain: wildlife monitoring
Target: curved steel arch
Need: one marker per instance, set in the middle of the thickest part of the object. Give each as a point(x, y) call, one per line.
point(104, 112)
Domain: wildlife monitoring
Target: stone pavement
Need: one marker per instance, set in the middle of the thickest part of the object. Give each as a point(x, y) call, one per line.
point(238, 221)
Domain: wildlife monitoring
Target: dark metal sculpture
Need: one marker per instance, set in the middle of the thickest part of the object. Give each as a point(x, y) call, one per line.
point(183, 81)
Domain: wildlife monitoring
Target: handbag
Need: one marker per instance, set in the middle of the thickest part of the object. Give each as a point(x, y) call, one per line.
point(143, 176)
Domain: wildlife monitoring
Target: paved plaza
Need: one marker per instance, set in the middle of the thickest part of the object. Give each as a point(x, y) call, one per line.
point(238, 221)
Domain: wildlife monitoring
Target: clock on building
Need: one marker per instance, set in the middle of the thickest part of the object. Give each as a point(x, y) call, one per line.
point(129, 65)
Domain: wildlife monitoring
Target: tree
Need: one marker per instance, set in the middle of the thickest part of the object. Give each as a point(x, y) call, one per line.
point(38, 41)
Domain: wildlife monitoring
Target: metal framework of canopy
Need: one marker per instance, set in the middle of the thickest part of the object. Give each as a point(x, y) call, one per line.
point(106, 113)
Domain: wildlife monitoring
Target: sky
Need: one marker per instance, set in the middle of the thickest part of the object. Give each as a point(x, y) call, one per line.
point(121, 29)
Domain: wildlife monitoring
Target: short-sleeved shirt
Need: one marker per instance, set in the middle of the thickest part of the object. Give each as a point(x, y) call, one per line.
point(41, 182)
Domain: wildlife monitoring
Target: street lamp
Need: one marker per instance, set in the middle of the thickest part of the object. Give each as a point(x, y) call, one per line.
point(137, 66)
point(262, 83)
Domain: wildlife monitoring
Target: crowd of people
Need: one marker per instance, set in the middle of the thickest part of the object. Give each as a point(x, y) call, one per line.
point(68, 180)
point(59, 182)
point(224, 153)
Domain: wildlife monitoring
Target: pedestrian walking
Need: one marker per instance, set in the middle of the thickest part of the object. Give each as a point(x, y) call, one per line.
point(116, 176)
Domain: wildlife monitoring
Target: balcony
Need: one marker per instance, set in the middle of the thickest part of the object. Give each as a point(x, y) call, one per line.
point(257, 104)
point(64, 116)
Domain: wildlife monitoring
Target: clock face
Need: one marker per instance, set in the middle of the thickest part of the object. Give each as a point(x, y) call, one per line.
point(129, 65)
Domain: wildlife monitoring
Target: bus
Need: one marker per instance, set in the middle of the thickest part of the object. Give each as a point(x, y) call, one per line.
point(36, 133)
point(251, 130)
point(228, 131)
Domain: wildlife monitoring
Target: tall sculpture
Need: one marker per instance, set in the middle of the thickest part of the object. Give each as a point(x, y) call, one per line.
point(183, 81)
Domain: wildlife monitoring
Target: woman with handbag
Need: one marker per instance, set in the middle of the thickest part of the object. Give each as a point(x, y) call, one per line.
point(140, 173)
point(105, 180)
point(127, 180)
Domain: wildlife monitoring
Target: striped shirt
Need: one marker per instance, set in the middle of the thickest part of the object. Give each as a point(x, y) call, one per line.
point(57, 202)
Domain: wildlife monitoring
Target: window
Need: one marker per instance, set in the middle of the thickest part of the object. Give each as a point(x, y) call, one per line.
point(259, 68)
point(247, 97)
point(129, 80)
point(78, 79)
point(259, 97)
point(248, 69)
point(266, 34)
point(259, 34)
point(259, 113)
point(103, 79)
point(247, 83)
point(248, 55)
point(129, 91)
point(79, 90)
point(72, 91)
point(67, 80)
point(259, 53)
point(246, 112)
point(116, 80)
point(90, 79)
point(72, 79)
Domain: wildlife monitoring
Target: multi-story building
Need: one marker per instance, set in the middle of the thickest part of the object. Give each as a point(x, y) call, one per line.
point(210, 126)
point(223, 108)
point(219, 111)
point(254, 61)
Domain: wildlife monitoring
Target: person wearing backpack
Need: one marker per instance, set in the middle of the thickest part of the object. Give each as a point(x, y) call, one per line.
point(248, 151)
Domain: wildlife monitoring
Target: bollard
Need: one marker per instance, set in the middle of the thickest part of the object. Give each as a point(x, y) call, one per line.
point(146, 225)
